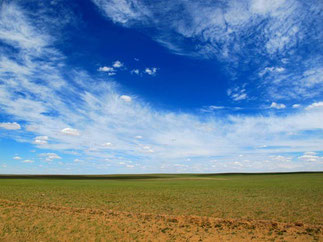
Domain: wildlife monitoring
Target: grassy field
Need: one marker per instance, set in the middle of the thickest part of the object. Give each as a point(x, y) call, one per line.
point(142, 207)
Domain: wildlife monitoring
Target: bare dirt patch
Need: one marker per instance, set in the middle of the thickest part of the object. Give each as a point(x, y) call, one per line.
point(22, 221)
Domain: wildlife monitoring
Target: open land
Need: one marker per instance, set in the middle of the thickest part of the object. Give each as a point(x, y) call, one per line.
point(162, 207)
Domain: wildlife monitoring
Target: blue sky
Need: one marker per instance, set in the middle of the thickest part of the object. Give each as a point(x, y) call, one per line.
point(135, 86)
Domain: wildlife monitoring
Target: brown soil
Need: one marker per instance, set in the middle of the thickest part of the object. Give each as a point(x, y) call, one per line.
point(28, 222)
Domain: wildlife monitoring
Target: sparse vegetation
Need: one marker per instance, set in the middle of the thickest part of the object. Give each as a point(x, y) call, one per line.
point(168, 206)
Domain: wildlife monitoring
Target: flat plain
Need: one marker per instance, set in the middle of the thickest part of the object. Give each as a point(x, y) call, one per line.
point(162, 207)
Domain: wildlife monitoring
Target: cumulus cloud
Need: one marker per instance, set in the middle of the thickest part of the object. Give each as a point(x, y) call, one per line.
point(117, 64)
point(126, 98)
point(281, 158)
point(41, 140)
point(315, 105)
point(311, 157)
point(10, 126)
point(111, 70)
point(70, 131)
point(106, 69)
point(296, 106)
point(135, 71)
point(277, 105)
point(50, 156)
point(17, 158)
point(151, 71)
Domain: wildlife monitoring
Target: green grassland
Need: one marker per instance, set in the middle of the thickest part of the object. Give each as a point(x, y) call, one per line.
point(295, 197)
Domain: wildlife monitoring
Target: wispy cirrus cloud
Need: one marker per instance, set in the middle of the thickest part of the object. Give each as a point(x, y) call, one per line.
point(237, 94)
point(10, 126)
point(70, 131)
point(28, 161)
point(277, 40)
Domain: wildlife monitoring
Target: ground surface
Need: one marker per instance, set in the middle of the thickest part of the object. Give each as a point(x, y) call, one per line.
point(265, 207)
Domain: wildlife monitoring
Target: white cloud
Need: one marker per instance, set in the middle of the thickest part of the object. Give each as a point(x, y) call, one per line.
point(267, 34)
point(310, 153)
point(41, 140)
point(42, 137)
point(50, 156)
point(271, 69)
point(280, 69)
point(111, 70)
point(296, 106)
point(237, 94)
point(28, 161)
point(70, 131)
point(151, 71)
point(211, 108)
point(266, 6)
point(123, 11)
point(126, 98)
point(10, 126)
point(106, 69)
point(281, 158)
point(277, 105)
point(107, 145)
point(138, 137)
point(136, 71)
point(315, 105)
point(117, 64)
point(14, 31)
point(17, 158)
point(147, 148)
point(103, 114)
point(311, 157)
point(212, 23)
point(238, 97)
